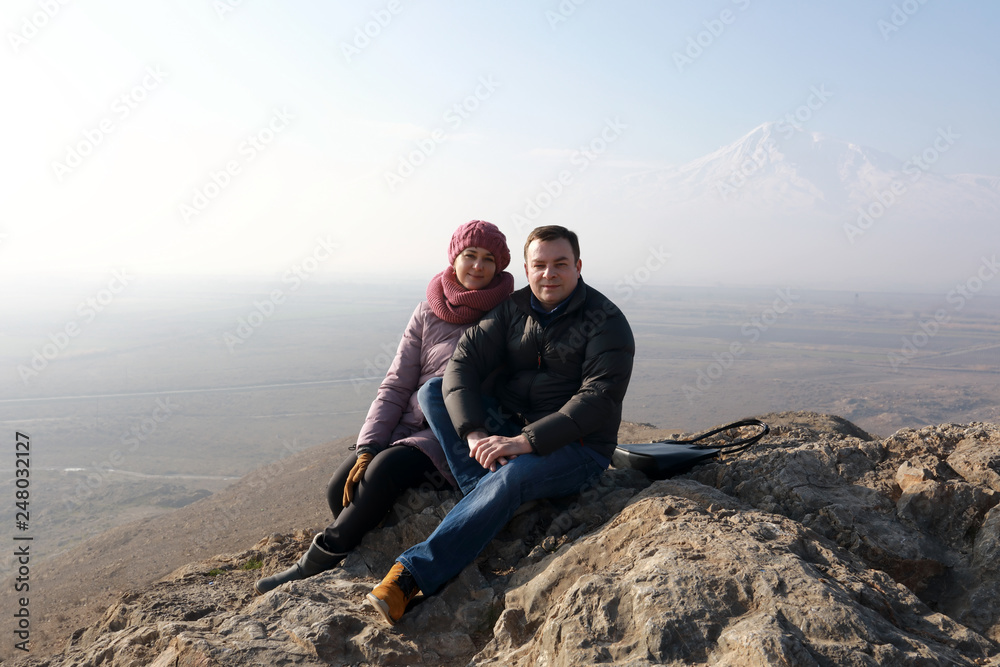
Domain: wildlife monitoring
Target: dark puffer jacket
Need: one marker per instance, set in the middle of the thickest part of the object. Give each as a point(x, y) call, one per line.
point(565, 382)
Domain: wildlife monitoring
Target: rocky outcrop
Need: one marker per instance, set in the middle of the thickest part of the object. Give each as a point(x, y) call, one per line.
point(821, 546)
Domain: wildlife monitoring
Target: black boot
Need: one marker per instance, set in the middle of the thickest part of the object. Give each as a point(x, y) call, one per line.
point(315, 560)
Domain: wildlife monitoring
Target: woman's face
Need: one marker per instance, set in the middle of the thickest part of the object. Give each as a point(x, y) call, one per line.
point(475, 267)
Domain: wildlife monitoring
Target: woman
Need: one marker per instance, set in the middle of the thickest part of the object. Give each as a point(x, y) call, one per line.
point(396, 450)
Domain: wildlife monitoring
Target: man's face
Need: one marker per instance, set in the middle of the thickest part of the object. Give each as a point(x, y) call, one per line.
point(552, 273)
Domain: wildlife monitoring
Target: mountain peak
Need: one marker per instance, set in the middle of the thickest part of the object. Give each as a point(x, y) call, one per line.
point(785, 167)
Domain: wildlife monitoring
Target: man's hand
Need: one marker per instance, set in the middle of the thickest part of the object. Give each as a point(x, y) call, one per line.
point(494, 450)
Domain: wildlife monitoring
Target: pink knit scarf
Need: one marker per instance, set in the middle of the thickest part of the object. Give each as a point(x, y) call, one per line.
point(453, 303)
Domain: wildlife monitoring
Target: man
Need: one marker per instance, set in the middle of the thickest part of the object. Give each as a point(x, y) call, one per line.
point(564, 356)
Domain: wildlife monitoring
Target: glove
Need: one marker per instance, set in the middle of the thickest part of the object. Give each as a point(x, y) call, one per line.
point(353, 477)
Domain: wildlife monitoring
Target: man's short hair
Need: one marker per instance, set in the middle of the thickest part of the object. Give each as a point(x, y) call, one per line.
point(553, 233)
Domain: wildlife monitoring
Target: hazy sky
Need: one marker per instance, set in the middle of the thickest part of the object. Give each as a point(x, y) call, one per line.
point(254, 136)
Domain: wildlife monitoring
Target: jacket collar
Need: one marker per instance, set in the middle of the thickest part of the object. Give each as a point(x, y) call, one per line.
point(523, 300)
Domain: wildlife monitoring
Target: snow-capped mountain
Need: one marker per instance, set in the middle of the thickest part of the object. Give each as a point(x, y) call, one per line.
point(812, 209)
point(794, 171)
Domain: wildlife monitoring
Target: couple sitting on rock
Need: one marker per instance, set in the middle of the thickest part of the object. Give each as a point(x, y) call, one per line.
point(559, 357)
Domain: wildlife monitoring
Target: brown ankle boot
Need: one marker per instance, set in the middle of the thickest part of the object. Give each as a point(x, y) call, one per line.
point(395, 592)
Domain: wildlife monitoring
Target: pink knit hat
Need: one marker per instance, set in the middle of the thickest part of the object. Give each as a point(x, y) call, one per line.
point(480, 234)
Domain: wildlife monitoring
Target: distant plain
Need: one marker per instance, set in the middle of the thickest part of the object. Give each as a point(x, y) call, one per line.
point(153, 404)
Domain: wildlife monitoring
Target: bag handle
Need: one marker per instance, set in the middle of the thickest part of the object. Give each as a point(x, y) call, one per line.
point(729, 447)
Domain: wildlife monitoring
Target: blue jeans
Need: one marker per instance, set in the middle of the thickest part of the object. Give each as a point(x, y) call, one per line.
point(491, 498)
point(466, 469)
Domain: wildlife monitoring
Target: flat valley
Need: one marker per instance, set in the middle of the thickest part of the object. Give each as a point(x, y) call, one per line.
point(174, 392)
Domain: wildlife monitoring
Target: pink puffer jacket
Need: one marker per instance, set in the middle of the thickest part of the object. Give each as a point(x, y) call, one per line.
point(395, 417)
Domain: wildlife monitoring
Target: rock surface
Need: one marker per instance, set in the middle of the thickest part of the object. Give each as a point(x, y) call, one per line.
point(820, 546)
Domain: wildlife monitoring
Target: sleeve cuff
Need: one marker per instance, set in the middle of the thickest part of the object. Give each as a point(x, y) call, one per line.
point(366, 449)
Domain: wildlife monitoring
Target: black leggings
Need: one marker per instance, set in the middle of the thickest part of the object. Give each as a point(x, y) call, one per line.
point(388, 475)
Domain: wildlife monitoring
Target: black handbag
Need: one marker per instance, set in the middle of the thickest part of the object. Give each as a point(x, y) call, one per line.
point(666, 458)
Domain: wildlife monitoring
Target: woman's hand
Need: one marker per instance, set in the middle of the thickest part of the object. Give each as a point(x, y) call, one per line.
point(353, 477)
point(495, 450)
